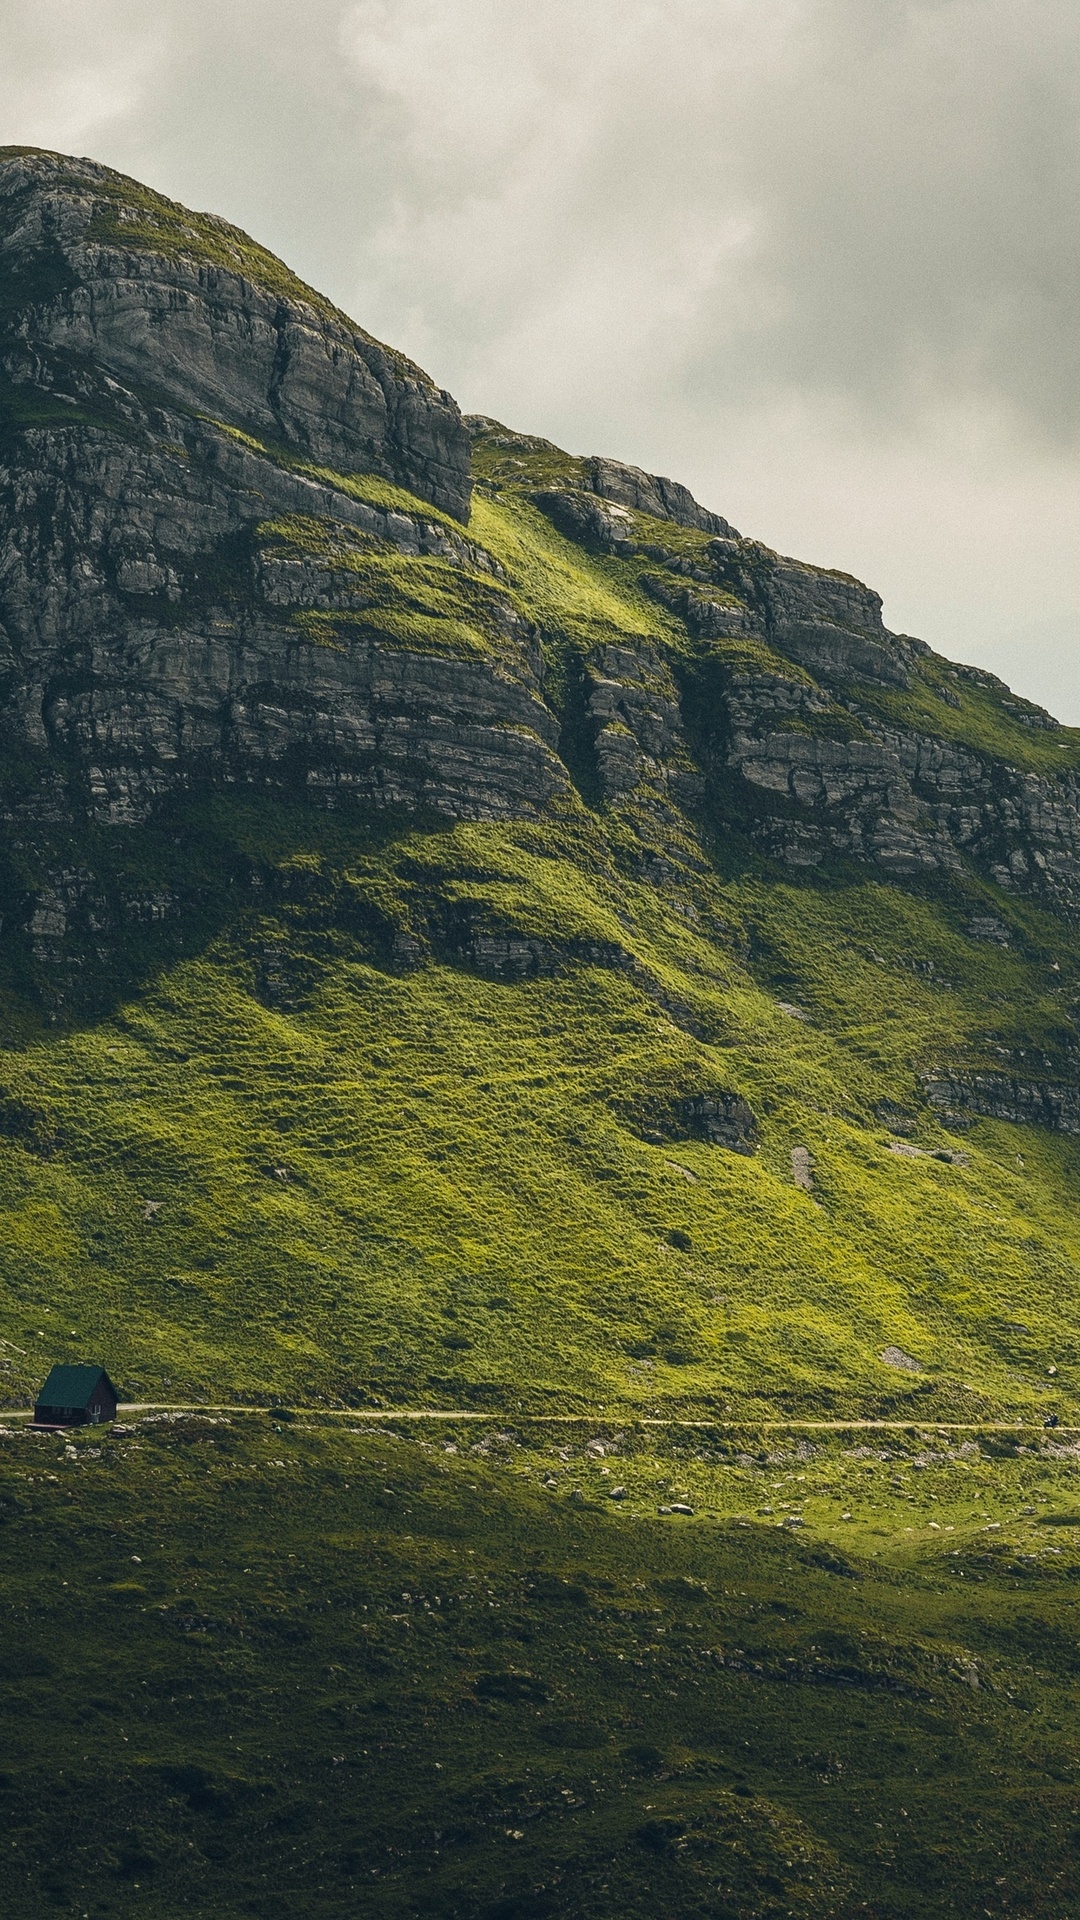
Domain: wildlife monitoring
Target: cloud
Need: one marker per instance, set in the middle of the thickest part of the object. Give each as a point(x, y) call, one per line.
point(819, 257)
point(861, 200)
point(71, 70)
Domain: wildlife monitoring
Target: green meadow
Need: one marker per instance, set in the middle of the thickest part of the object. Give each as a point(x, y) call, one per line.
point(270, 1664)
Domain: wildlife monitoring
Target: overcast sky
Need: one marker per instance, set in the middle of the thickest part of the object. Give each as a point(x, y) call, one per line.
point(818, 258)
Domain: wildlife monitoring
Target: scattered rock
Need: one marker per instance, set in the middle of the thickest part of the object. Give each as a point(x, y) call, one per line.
point(950, 1155)
point(802, 1168)
point(985, 926)
point(509, 1686)
point(896, 1357)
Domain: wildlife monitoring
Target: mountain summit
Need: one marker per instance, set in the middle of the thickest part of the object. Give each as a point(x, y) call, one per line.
point(105, 282)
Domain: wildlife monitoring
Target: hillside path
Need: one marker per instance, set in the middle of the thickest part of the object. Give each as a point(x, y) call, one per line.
point(370, 1415)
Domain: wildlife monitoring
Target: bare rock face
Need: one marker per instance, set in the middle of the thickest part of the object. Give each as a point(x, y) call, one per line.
point(188, 309)
point(652, 493)
point(186, 561)
point(155, 634)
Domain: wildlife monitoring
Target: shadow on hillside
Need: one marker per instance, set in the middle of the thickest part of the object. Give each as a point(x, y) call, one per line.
point(91, 915)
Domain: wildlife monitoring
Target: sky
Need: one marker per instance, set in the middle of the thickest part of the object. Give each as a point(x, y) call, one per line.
point(819, 259)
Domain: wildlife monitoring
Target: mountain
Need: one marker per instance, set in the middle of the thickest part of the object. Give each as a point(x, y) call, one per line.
point(539, 1048)
point(567, 955)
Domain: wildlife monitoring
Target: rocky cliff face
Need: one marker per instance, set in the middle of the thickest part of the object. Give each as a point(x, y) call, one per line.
point(182, 427)
point(167, 600)
point(187, 310)
point(795, 714)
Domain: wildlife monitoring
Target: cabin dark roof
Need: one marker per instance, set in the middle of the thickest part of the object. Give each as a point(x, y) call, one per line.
point(71, 1386)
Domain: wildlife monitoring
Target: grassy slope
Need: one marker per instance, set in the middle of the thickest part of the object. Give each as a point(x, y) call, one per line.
point(256, 1669)
point(470, 1207)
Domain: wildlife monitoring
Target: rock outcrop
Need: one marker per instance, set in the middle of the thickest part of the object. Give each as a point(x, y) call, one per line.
point(798, 715)
point(187, 310)
point(169, 393)
point(962, 1095)
point(652, 493)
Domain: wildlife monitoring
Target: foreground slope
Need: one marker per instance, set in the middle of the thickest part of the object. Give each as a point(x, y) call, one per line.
point(277, 1669)
point(571, 957)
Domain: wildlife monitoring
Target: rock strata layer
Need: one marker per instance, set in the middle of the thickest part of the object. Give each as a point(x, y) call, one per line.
point(185, 308)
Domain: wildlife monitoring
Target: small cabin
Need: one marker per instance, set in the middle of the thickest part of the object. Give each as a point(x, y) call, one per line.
point(76, 1397)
